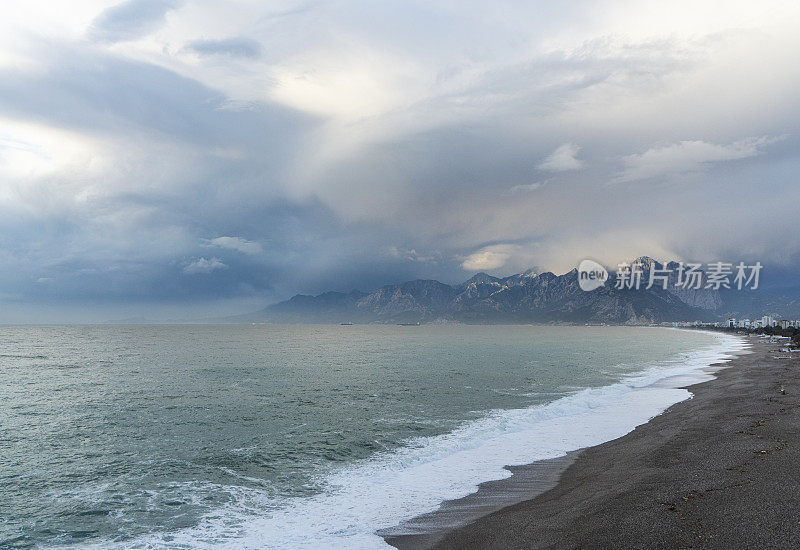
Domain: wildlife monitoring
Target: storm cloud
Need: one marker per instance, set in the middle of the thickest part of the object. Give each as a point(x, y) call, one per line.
point(176, 159)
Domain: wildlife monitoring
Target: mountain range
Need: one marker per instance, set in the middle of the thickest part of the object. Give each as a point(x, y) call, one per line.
point(528, 297)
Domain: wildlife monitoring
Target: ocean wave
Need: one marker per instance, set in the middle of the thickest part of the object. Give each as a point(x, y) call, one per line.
point(380, 492)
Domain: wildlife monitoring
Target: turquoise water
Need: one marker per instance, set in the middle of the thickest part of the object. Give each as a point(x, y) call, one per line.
point(292, 436)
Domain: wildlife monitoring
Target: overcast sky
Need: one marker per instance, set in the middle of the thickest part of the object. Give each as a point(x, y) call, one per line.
point(172, 158)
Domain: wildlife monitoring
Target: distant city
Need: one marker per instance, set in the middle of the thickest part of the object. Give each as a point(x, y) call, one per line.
point(767, 321)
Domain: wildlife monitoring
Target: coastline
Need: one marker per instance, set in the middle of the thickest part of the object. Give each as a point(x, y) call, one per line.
point(717, 470)
point(528, 481)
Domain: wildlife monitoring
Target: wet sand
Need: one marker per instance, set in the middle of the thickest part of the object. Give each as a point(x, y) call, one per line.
point(721, 470)
point(526, 482)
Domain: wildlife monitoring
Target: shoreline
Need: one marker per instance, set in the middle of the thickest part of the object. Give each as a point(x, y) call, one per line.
point(528, 481)
point(714, 471)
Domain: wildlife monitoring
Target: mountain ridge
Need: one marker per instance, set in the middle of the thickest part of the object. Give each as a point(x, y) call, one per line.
point(527, 297)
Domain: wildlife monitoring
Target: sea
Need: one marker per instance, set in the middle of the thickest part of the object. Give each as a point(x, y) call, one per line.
point(303, 436)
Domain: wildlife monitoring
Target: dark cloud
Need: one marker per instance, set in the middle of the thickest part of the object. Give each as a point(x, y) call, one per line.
point(86, 90)
point(232, 47)
point(131, 19)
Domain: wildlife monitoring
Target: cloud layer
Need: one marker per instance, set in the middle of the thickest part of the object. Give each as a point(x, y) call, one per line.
point(168, 157)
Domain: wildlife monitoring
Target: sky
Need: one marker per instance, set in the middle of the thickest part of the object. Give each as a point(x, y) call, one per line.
point(192, 158)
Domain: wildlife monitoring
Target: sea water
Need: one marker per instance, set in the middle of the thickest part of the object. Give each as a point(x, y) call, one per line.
point(295, 436)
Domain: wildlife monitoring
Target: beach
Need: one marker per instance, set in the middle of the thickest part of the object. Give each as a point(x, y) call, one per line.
point(715, 471)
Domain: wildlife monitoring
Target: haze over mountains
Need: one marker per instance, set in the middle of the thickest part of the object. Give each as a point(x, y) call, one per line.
point(527, 297)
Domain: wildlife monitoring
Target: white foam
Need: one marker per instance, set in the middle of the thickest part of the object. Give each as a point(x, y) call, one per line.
point(382, 492)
